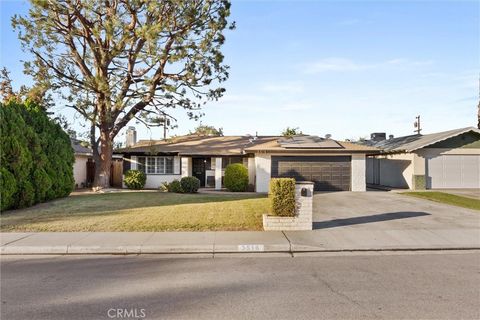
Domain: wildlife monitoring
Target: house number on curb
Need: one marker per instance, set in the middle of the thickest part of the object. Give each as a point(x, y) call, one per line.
point(251, 247)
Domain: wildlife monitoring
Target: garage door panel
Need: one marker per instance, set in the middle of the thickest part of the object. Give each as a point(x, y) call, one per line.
point(471, 172)
point(329, 173)
point(453, 171)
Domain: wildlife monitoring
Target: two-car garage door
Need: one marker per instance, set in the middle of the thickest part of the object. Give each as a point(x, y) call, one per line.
point(329, 173)
point(453, 171)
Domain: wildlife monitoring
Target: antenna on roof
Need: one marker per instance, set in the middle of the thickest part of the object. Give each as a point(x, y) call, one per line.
point(416, 124)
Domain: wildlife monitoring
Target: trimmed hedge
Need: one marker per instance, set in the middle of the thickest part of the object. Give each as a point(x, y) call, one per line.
point(236, 177)
point(175, 186)
point(190, 184)
point(135, 179)
point(36, 157)
point(282, 197)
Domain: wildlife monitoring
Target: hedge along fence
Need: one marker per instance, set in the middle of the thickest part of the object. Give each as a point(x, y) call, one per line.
point(36, 157)
point(282, 197)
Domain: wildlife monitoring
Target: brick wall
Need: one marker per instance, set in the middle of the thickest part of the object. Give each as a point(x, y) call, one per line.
point(303, 214)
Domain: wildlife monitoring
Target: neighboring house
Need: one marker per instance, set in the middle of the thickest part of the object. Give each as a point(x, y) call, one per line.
point(82, 156)
point(332, 165)
point(84, 166)
point(449, 159)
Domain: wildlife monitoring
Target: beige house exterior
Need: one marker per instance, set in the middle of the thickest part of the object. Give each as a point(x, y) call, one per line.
point(443, 160)
point(82, 155)
point(332, 165)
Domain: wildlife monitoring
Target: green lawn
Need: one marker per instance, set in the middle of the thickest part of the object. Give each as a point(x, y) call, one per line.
point(141, 211)
point(447, 198)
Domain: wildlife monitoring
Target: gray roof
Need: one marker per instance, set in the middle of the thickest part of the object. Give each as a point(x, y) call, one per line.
point(418, 141)
point(79, 149)
point(308, 142)
point(197, 145)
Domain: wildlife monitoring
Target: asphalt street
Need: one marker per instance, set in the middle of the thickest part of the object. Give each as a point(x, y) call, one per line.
point(434, 285)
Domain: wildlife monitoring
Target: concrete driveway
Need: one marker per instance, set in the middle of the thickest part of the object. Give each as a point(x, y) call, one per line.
point(379, 220)
point(379, 210)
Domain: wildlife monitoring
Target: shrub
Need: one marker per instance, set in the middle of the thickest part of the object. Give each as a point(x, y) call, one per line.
point(8, 188)
point(163, 187)
point(135, 179)
point(190, 184)
point(282, 197)
point(175, 186)
point(36, 152)
point(236, 177)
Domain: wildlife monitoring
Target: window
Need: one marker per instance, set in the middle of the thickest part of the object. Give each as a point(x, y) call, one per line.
point(155, 165)
point(141, 164)
point(151, 165)
point(169, 165)
point(230, 160)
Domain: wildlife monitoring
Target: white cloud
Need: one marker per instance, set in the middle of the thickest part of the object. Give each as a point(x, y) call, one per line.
point(406, 62)
point(296, 106)
point(284, 88)
point(348, 65)
point(335, 64)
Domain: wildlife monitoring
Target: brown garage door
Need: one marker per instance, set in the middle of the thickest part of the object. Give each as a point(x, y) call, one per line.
point(329, 173)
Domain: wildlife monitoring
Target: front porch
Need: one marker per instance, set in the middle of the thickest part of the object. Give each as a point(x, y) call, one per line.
point(210, 170)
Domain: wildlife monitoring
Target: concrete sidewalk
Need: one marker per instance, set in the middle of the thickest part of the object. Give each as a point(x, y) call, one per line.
point(237, 242)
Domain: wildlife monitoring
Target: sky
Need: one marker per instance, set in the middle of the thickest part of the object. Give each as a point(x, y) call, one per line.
point(329, 67)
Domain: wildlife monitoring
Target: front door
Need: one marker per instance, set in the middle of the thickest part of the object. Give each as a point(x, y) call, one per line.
point(198, 169)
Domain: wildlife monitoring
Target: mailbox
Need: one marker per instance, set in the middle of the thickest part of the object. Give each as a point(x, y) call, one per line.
point(304, 192)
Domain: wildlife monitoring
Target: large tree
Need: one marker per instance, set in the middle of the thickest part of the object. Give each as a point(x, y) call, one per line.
point(206, 130)
point(290, 132)
point(118, 60)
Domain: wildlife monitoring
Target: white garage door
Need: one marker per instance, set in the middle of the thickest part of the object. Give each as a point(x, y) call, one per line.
point(453, 171)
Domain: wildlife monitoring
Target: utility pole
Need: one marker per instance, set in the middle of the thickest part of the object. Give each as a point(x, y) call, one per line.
point(417, 125)
point(164, 126)
point(166, 122)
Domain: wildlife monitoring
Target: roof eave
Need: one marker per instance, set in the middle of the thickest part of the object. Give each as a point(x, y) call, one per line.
point(310, 151)
point(444, 138)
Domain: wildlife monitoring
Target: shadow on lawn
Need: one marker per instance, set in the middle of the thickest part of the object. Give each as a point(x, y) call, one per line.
point(367, 219)
point(107, 202)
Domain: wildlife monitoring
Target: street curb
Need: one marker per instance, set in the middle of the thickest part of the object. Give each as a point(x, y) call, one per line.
point(137, 250)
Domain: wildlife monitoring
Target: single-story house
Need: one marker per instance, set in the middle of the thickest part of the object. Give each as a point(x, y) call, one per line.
point(332, 165)
point(449, 159)
point(84, 166)
point(82, 156)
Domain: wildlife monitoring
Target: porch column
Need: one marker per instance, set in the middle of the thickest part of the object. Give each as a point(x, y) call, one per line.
point(218, 173)
point(251, 170)
point(186, 166)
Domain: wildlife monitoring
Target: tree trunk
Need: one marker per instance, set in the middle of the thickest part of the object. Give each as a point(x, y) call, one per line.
point(103, 165)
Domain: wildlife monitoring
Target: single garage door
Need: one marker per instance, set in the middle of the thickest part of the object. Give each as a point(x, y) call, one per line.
point(453, 171)
point(328, 173)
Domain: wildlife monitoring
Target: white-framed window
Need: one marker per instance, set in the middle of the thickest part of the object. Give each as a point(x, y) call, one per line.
point(155, 165)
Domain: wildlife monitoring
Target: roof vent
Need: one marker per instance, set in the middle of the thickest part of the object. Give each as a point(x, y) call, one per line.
point(390, 136)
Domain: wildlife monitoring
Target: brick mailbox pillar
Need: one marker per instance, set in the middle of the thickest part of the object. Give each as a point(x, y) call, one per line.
point(303, 211)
